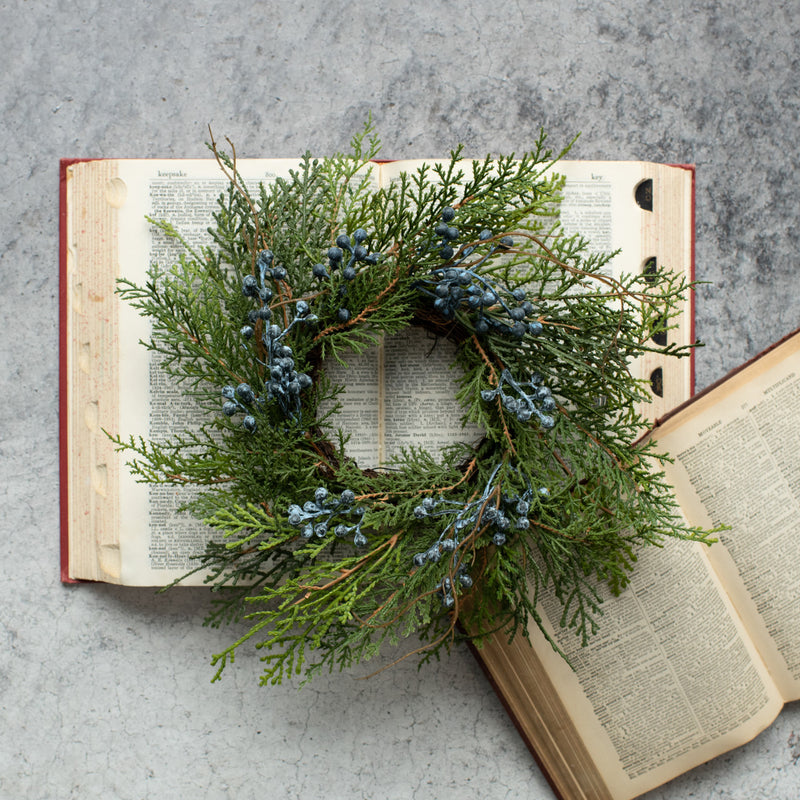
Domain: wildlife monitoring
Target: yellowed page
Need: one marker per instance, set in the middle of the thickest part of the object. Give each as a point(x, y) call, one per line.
point(736, 462)
point(600, 204)
point(399, 394)
point(158, 544)
point(671, 679)
point(359, 415)
point(123, 531)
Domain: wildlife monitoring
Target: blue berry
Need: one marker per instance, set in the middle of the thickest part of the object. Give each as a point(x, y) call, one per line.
point(524, 414)
point(247, 332)
point(359, 235)
point(245, 393)
point(319, 271)
point(359, 540)
point(229, 408)
point(448, 213)
point(228, 392)
point(484, 235)
point(348, 273)
point(249, 423)
point(343, 241)
point(348, 497)
point(343, 315)
point(335, 254)
point(320, 495)
point(249, 286)
point(433, 555)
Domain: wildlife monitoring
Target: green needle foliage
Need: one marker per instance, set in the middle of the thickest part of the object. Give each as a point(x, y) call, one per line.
point(327, 562)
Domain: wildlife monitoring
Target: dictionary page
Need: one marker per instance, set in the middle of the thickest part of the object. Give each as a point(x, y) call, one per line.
point(736, 462)
point(398, 394)
point(600, 203)
point(119, 530)
point(670, 680)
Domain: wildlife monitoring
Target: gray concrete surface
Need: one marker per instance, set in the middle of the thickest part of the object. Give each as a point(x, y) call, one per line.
point(105, 691)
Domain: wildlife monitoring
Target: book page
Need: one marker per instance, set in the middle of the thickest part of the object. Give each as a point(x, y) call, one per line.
point(357, 408)
point(599, 202)
point(120, 530)
point(669, 681)
point(399, 394)
point(736, 463)
point(419, 405)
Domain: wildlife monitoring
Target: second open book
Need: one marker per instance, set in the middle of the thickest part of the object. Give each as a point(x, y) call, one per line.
point(701, 651)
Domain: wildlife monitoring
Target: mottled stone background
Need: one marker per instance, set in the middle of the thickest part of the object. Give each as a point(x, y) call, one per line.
point(105, 691)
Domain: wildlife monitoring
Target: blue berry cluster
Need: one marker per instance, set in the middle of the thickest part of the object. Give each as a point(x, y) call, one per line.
point(359, 256)
point(324, 513)
point(537, 401)
point(240, 398)
point(461, 286)
point(284, 383)
point(447, 233)
point(498, 517)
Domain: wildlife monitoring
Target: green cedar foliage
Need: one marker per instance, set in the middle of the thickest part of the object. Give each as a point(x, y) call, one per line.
point(326, 563)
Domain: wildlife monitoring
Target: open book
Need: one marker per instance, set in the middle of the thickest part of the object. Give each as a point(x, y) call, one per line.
point(701, 651)
point(120, 531)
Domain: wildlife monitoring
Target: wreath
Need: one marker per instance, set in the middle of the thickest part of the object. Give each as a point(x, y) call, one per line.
point(328, 562)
